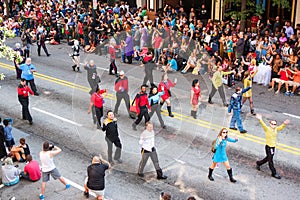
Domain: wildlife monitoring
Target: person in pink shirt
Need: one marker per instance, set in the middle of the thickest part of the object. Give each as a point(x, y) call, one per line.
point(32, 171)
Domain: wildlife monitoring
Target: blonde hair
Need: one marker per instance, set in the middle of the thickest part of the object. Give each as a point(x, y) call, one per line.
point(8, 161)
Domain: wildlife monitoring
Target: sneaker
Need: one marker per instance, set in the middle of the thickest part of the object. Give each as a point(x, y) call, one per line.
point(162, 177)
point(68, 186)
point(292, 94)
point(287, 94)
point(140, 174)
point(257, 166)
point(270, 89)
point(276, 92)
point(243, 131)
point(232, 128)
point(276, 176)
point(42, 197)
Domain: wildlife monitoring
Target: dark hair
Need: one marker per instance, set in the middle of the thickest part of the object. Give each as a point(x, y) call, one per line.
point(29, 158)
point(195, 81)
point(191, 198)
point(46, 146)
point(23, 79)
point(22, 141)
point(109, 111)
point(5, 122)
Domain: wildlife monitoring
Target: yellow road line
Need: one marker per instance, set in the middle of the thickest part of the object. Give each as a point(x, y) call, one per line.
point(188, 119)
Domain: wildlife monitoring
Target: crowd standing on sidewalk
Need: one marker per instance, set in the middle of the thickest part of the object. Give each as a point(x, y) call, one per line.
point(173, 41)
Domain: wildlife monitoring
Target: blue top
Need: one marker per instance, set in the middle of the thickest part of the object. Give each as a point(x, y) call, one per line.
point(7, 133)
point(173, 64)
point(155, 98)
point(236, 100)
point(220, 155)
point(26, 73)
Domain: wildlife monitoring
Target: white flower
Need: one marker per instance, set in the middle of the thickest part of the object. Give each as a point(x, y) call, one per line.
point(2, 76)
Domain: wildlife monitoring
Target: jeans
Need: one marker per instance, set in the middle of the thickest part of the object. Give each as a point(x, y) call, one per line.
point(236, 118)
point(156, 54)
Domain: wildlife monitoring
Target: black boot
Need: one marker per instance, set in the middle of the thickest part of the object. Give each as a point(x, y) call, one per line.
point(210, 174)
point(209, 100)
point(194, 114)
point(160, 174)
point(229, 171)
point(73, 67)
point(78, 69)
point(252, 112)
point(170, 112)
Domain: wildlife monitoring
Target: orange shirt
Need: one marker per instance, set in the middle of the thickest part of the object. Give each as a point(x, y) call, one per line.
point(297, 77)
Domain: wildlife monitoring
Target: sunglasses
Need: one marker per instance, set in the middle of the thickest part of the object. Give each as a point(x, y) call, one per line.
point(225, 132)
point(274, 124)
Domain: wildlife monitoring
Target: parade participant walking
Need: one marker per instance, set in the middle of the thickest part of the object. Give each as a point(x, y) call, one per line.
point(110, 126)
point(149, 66)
point(248, 78)
point(142, 106)
point(23, 93)
point(40, 39)
point(112, 53)
point(92, 76)
point(218, 85)
point(17, 62)
point(26, 42)
point(96, 102)
point(271, 137)
point(153, 99)
point(220, 155)
point(147, 142)
point(48, 166)
point(95, 180)
point(75, 56)
point(236, 106)
point(166, 83)
point(195, 97)
point(121, 88)
point(27, 74)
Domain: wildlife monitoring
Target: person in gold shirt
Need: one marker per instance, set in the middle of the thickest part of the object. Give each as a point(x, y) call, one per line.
point(218, 85)
point(248, 78)
point(271, 136)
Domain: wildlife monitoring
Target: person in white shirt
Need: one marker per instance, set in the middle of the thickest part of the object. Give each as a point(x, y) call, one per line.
point(48, 166)
point(148, 150)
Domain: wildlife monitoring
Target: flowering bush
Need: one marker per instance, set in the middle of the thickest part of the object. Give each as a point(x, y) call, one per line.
point(6, 51)
point(2, 76)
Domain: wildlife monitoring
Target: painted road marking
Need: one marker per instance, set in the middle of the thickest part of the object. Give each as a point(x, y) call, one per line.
point(57, 117)
point(295, 116)
point(188, 119)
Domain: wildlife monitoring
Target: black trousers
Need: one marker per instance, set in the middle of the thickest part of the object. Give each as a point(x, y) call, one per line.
point(148, 74)
point(45, 49)
point(24, 101)
point(270, 151)
point(220, 90)
point(118, 145)
point(113, 66)
point(99, 114)
point(18, 72)
point(120, 96)
point(129, 59)
point(143, 113)
point(32, 85)
point(145, 156)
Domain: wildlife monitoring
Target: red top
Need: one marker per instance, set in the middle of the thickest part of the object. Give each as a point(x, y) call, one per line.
point(141, 100)
point(121, 85)
point(112, 52)
point(254, 20)
point(196, 95)
point(167, 85)
point(157, 42)
point(97, 98)
point(33, 169)
point(24, 90)
point(284, 75)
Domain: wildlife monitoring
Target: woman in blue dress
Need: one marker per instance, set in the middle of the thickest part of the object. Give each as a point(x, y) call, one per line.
point(220, 154)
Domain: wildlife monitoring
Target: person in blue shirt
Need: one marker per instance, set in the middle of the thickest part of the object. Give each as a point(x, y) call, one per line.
point(9, 139)
point(172, 64)
point(27, 73)
point(154, 100)
point(220, 154)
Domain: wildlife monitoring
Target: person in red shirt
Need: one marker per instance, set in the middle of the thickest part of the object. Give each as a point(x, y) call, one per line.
point(112, 53)
point(254, 20)
point(121, 88)
point(32, 171)
point(97, 103)
point(142, 106)
point(285, 75)
point(166, 83)
point(23, 93)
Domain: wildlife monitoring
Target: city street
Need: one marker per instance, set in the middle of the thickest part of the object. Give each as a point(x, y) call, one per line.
point(184, 148)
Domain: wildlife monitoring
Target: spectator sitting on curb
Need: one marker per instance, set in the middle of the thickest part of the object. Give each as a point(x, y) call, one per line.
point(32, 170)
point(10, 173)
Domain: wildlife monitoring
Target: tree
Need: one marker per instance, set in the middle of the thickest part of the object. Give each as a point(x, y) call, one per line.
point(246, 8)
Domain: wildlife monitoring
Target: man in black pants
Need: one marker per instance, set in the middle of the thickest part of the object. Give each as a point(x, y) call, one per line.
point(23, 91)
point(142, 107)
point(149, 66)
point(271, 135)
point(112, 137)
point(40, 39)
point(121, 88)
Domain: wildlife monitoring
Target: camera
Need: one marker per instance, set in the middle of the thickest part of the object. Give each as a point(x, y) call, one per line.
point(51, 146)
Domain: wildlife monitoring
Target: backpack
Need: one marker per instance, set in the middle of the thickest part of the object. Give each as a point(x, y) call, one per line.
point(213, 146)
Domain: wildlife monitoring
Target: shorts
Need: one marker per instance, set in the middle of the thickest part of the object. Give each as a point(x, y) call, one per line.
point(97, 192)
point(54, 173)
point(278, 80)
point(293, 83)
point(10, 143)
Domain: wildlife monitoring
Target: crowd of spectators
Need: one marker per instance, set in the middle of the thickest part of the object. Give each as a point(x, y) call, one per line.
point(181, 40)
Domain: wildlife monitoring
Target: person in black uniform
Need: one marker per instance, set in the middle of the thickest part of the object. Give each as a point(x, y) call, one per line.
point(23, 91)
point(112, 137)
point(40, 39)
point(121, 88)
point(95, 180)
point(20, 52)
point(92, 76)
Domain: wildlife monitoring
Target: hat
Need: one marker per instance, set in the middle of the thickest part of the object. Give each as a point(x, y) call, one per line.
point(121, 72)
